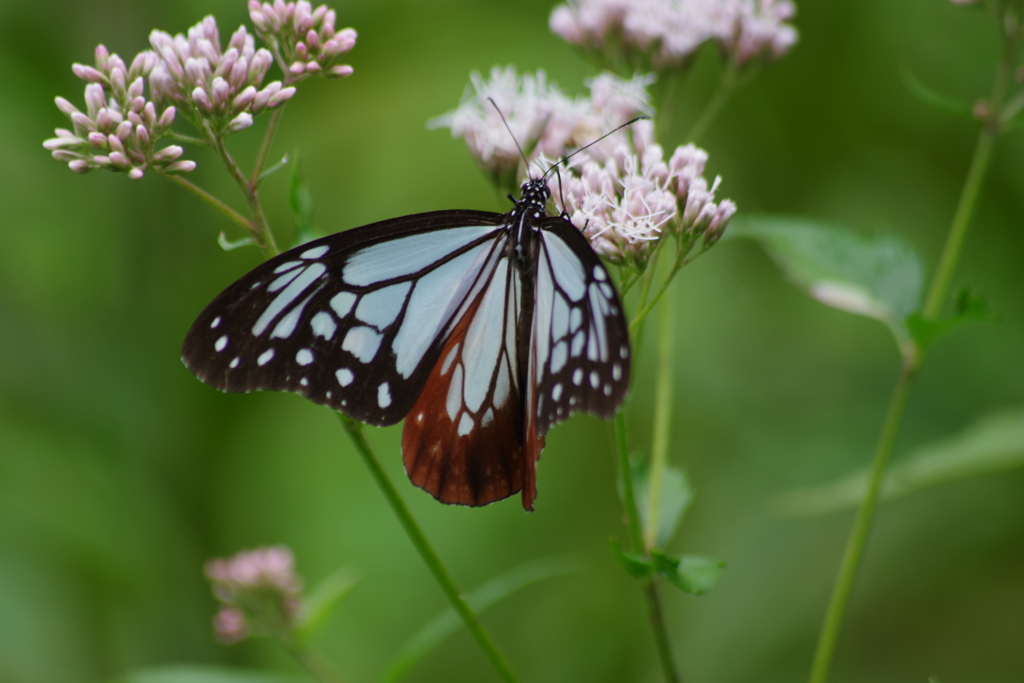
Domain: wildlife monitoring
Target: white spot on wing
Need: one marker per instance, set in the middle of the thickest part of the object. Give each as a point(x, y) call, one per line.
point(288, 295)
point(595, 379)
point(362, 342)
point(447, 364)
point(488, 418)
point(577, 376)
point(559, 355)
point(453, 401)
point(566, 266)
point(265, 357)
point(234, 363)
point(465, 424)
point(287, 265)
point(304, 382)
point(315, 252)
point(344, 376)
point(342, 303)
point(221, 343)
point(577, 344)
point(380, 308)
point(304, 357)
point(323, 325)
point(575, 319)
point(384, 395)
point(599, 273)
point(616, 372)
point(216, 321)
point(556, 391)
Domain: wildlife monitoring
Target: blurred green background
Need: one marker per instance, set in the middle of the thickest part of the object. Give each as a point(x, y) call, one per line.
point(120, 473)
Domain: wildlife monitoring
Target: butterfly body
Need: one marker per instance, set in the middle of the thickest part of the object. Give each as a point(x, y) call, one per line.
point(483, 330)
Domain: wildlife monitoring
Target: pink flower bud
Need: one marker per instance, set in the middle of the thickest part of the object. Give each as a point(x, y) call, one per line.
point(312, 66)
point(98, 140)
point(105, 119)
point(238, 39)
point(88, 73)
point(143, 63)
point(258, 20)
point(61, 141)
point(239, 72)
point(230, 626)
point(65, 155)
point(281, 97)
point(313, 40)
point(136, 88)
point(327, 27)
point(123, 130)
point(197, 70)
point(102, 55)
point(120, 161)
point(115, 143)
point(201, 99)
point(80, 166)
point(81, 122)
point(244, 99)
point(181, 167)
point(114, 62)
point(319, 13)
point(240, 122)
point(301, 51)
point(220, 91)
point(65, 107)
point(95, 99)
point(142, 136)
point(136, 173)
point(340, 71)
point(137, 105)
point(103, 161)
point(169, 153)
point(166, 119)
point(117, 82)
point(303, 21)
point(227, 62)
point(259, 66)
point(297, 68)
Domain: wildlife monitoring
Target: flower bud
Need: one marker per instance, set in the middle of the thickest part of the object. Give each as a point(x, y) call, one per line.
point(244, 99)
point(123, 130)
point(142, 136)
point(101, 55)
point(312, 66)
point(136, 89)
point(169, 153)
point(339, 71)
point(220, 91)
point(181, 167)
point(282, 96)
point(80, 166)
point(297, 68)
point(166, 119)
point(240, 122)
point(201, 99)
point(136, 173)
point(65, 107)
point(88, 73)
point(97, 140)
point(117, 82)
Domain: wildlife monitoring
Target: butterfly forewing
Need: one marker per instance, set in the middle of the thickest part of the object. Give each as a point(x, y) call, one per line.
point(354, 321)
point(581, 337)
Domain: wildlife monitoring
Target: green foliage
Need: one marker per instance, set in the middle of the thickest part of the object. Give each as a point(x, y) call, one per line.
point(676, 496)
point(935, 99)
point(691, 573)
point(994, 443)
point(968, 308)
point(636, 565)
point(319, 604)
point(490, 593)
point(188, 673)
point(879, 277)
point(300, 201)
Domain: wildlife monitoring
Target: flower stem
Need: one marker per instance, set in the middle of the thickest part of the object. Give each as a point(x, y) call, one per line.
point(862, 525)
point(662, 418)
point(655, 615)
point(715, 104)
point(312, 662)
point(426, 551)
point(209, 199)
point(262, 235)
point(937, 292)
point(268, 139)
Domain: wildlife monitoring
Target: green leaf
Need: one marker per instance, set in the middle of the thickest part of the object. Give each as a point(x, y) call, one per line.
point(993, 444)
point(637, 566)
point(692, 573)
point(199, 673)
point(222, 240)
point(879, 277)
point(275, 168)
point(937, 100)
point(300, 201)
point(969, 308)
point(319, 605)
point(676, 496)
point(446, 623)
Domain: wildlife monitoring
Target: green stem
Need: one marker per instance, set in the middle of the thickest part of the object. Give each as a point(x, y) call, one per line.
point(209, 199)
point(662, 418)
point(263, 237)
point(426, 551)
point(268, 139)
point(715, 104)
point(668, 665)
point(636, 538)
point(937, 293)
point(939, 289)
point(862, 525)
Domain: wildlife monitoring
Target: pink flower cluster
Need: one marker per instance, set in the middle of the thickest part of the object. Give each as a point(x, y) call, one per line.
point(207, 84)
point(260, 591)
point(303, 39)
point(540, 117)
point(667, 33)
point(627, 202)
point(119, 128)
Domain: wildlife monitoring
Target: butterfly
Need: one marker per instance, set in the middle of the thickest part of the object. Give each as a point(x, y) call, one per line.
point(482, 330)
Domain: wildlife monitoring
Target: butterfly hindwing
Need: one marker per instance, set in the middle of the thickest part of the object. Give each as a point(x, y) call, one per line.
point(354, 321)
point(581, 337)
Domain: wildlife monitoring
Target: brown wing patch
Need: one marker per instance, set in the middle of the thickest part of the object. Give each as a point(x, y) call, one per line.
point(458, 456)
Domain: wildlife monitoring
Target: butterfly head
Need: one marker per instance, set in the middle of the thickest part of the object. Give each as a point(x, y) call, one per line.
point(534, 195)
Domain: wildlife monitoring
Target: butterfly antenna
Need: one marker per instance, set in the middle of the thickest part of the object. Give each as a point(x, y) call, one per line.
point(591, 144)
point(509, 129)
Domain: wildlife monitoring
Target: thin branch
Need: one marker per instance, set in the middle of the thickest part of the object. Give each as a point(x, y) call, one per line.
point(209, 199)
